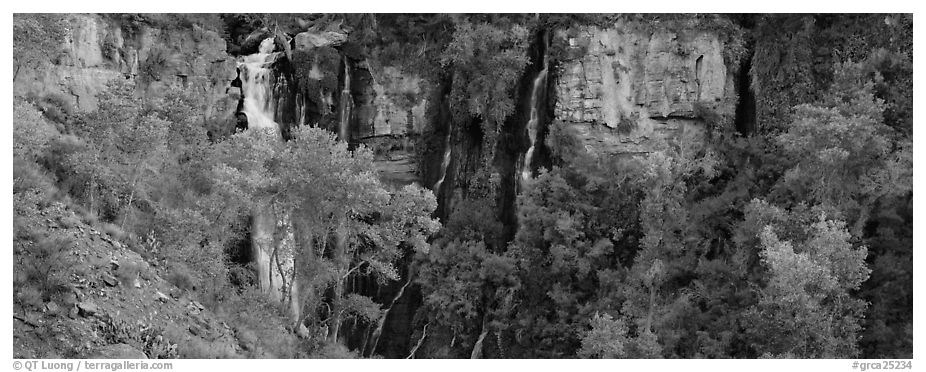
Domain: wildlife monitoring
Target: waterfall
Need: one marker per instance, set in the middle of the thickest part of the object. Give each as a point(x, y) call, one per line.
point(382, 319)
point(444, 163)
point(300, 109)
point(540, 83)
point(257, 87)
point(345, 103)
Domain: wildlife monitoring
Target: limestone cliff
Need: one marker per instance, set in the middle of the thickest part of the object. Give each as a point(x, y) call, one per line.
point(623, 91)
point(101, 48)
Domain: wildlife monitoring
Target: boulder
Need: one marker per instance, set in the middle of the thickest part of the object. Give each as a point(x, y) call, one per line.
point(118, 351)
point(110, 280)
point(246, 339)
point(52, 308)
point(251, 44)
point(87, 308)
point(314, 39)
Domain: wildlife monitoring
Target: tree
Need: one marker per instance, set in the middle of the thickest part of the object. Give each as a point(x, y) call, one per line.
point(122, 147)
point(842, 154)
point(365, 224)
point(32, 134)
point(607, 339)
point(806, 309)
point(37, 39)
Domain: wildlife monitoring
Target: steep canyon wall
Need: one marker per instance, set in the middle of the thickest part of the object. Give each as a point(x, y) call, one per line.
point(618, 91)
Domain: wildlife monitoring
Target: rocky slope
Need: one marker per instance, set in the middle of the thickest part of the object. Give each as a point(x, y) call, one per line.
point(115, 305)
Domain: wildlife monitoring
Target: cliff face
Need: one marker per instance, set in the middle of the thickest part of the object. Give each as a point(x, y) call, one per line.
point(621, 91)
point(98, 49)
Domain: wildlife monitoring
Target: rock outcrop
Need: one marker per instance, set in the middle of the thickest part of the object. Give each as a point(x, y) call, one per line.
point(119, 351)
point(400, 103)
point(625, 91)
point(313, 39)
point(393, 115)
point(99, 49)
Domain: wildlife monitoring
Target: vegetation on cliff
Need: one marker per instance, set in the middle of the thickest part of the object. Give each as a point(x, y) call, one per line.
point(790, 239)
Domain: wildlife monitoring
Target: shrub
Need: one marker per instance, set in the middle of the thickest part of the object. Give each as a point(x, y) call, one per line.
point(23, 231)
point(114, 231)
point(46, 264)
point(88, 217)
point(196, 348)
point(255, 315)
point(180, 276)
point(55, 107)
point(150, 339)
point(29, 297)
point(31, 132)
point(335, 351)
point(127, 272)
point(28, 176)
point(68, 221)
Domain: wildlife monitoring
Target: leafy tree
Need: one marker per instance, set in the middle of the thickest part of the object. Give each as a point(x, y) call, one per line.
point(806, 308)
point(486, 61)
point(607, 339)
point(121, 147)
point(32, 134)
point(37, 39)
point(572, 248)
point(842, 153)
point(365, 223)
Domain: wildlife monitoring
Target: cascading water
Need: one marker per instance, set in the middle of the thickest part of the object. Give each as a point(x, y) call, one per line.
point(345, 103)
point(382, 319)
point(257, 87)
point(536, 93)
point(300, 109)
point(443, 164)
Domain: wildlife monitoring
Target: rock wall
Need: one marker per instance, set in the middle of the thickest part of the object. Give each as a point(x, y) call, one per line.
point(621, 90)
point(400, 104)
point(98, 49)
point(395, 116)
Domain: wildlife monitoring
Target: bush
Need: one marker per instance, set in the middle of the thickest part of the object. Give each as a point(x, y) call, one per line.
point(128, 272)
point(31, 132)
point(260, 322)
point(23, 231)
point(196, 348)
point(28, 176)
point(180, 276)
point(88, 217)
point(68, 221)
point(45, 265)
point(335, 351)
point(114, 231)
point(29, 297)
point(54, 107)
point(150, 339)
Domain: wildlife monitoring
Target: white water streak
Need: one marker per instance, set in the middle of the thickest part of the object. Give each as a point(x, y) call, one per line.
point(345, 103)
point(539, 84)
point(257, 87)
point(444, 163)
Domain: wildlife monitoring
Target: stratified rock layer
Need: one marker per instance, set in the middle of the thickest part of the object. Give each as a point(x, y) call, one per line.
point(97, 50)
point(621, 91)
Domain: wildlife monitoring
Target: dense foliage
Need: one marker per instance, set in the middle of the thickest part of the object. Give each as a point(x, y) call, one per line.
point(793, 240)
